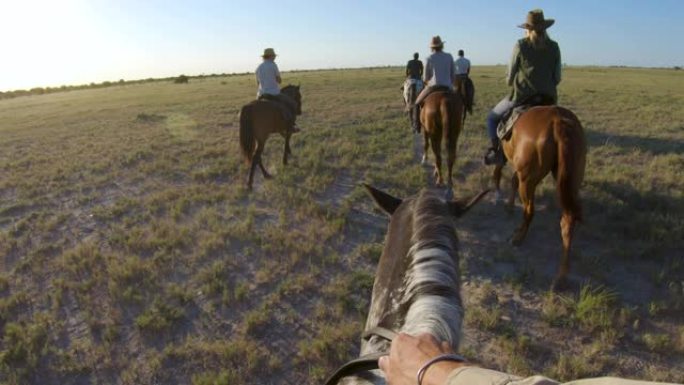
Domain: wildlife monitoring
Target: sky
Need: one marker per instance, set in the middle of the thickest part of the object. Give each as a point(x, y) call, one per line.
point(69, 42)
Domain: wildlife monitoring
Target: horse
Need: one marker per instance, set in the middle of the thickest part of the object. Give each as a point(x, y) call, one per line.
point(417, 284)
point(442, 117)
point(258, 120)
point(547, 139)
point(411, 90)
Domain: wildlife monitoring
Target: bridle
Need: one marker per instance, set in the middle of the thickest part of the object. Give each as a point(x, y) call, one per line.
point(366, 362)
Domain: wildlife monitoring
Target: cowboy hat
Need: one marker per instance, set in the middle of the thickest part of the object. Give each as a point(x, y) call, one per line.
point(269, 52)
point(535, 20)
point(437, 42)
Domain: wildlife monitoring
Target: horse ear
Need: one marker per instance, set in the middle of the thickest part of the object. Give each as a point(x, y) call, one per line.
point(461, 206)
point(386, 202)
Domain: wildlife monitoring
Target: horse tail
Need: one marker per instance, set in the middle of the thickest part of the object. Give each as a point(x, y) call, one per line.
point(571, 145)
point(247, 140)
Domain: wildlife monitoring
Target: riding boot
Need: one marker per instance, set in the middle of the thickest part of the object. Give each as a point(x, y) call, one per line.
point(494, 154)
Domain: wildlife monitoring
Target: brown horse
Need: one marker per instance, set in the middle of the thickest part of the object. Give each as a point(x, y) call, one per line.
point(258, 120)
point(442, 118)
point(547, 139)
point(417, 284)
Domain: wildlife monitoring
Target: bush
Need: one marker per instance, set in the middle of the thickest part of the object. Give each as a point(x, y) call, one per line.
point(181, 80)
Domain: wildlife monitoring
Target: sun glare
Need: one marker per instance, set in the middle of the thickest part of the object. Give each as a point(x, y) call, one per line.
point(47, 43)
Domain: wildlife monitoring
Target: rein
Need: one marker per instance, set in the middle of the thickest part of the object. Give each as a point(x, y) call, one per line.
point(363, 363)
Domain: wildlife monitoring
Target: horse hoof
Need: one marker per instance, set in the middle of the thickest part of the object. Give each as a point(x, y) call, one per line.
point(449, 194)
point(424, 161)
point(498, 197)
point(561, 284)
point(516, 240)
point(268, 176)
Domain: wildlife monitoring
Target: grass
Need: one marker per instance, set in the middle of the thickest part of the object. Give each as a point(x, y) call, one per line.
point(131, 253)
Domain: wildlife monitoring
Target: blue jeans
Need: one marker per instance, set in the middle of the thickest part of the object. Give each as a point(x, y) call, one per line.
point(494, 117)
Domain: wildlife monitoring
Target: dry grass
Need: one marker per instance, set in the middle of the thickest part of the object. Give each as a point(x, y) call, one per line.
point(130, 251)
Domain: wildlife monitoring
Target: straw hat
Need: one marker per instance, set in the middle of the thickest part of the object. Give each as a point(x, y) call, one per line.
point(437, 42)
point(269, 52)
point(535, 20)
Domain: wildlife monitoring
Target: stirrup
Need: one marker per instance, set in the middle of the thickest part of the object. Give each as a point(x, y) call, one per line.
point(493, 157)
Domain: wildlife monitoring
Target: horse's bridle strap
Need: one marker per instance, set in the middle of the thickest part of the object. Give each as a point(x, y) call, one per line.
point(379, 331)
point(363, 363)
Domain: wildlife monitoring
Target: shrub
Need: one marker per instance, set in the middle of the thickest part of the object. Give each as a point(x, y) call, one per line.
point(181, 80)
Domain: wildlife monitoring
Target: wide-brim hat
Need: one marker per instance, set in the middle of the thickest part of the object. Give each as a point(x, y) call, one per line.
point(269, 52)
point(436, 42)
point(535, 20)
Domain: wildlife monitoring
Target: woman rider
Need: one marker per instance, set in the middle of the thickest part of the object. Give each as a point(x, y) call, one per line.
point(535, 70)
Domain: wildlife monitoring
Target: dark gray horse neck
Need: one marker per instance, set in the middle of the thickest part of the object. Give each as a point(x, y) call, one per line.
point(417, 283)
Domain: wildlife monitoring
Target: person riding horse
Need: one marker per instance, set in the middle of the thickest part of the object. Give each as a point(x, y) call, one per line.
point(439, 72)
point(268, 80)
point(534, 71)
point(413, 84)
point(462, 65)
point(462, 79)
point(414, 68)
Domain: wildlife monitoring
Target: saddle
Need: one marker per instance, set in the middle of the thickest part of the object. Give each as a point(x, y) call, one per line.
point(508, 120)
point(288, 114)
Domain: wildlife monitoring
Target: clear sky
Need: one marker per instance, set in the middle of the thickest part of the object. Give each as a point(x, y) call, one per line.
point(56, 42)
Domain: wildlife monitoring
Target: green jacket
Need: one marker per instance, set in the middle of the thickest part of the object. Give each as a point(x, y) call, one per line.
point(534, 71)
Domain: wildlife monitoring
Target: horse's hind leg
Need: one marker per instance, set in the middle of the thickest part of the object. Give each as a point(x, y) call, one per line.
point(287, 150)
point(526, 189)
point(451, 159)
point(257, 157)
point(426, 144)
point(515, 183)
point(567, 224)
point(252, 166)
point(436, 144)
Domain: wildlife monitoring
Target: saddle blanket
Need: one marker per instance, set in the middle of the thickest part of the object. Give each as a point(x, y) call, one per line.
point(503, 130)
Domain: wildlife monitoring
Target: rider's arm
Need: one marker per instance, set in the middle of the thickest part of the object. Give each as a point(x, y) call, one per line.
point(277, 73)
point(557, 70)
point(513, 66)
point(452, 70)
point(427, 74)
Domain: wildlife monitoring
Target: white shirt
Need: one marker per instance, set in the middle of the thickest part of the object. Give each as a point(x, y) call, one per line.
point(439, 69)
point(266, 74)
point(462, 66)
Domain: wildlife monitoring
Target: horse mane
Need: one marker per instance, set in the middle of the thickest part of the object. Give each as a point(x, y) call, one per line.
point(432, 283)
point(288, 88)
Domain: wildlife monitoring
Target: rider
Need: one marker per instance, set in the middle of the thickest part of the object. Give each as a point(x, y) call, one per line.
point(462, 68)
point(268, 79)
point(414, 68)
point(535, 70)
point(439, 70)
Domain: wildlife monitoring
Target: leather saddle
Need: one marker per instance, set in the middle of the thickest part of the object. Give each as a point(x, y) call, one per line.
point(508, 120)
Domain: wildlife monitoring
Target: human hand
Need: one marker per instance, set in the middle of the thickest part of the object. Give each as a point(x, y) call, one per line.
point(408, 354)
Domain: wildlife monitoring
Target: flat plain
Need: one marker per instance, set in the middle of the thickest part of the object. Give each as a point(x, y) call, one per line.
point(131, 252)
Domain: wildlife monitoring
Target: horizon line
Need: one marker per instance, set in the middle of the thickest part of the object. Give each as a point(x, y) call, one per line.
point(108, 83)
